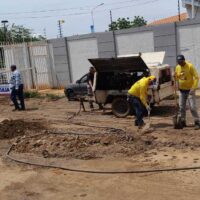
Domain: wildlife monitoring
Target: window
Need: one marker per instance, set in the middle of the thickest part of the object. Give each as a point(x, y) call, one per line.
point(84, 79)
point(165, 76)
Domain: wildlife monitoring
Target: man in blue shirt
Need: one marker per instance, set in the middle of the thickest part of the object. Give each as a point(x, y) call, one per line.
point(16, 86)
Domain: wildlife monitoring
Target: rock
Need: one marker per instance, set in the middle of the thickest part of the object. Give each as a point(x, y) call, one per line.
point(45, 154)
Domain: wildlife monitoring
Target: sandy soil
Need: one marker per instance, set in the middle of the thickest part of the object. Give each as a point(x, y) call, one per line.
point(104, 149)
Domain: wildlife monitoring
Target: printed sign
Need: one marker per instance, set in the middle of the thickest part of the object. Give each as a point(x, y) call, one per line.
point(4, 89)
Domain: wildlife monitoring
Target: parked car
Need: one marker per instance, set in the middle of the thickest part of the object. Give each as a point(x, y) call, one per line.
point(73, 90)
point(115, 76)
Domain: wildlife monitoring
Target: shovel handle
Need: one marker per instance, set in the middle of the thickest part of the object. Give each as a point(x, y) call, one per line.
point(175, 91)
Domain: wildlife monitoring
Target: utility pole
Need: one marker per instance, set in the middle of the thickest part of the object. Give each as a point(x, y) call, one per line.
point(23, 38)
point(193, 9)
point(111, 18)
point(45, 33)
point(113, 31)
point(60, 22)
point(4, 22)
point(179, 11)
point(92, 15)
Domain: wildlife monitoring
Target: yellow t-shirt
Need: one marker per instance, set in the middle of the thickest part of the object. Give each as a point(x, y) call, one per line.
point(140, 90)
point(187, 77)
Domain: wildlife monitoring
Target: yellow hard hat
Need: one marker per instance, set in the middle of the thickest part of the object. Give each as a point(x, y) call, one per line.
point(152, 78)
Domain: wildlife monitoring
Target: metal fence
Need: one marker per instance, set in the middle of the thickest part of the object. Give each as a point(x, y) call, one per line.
point(27, 75)
point(33, 60)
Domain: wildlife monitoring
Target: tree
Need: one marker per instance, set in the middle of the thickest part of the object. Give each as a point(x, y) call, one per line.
point(17, 33)
point(124, 23)
point(139, 21)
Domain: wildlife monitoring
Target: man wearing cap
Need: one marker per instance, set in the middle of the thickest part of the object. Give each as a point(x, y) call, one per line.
point(16, 87)
point(188, 80)
point(137, 96)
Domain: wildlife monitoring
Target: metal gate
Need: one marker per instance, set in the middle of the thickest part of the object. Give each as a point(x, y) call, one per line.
point(42, 63)
point(32, 59)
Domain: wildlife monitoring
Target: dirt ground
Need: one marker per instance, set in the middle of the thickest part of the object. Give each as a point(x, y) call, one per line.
point(95, 141)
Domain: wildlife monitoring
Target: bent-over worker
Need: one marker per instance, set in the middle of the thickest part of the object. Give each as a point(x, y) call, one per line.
point(188, 80)
point(137, 96)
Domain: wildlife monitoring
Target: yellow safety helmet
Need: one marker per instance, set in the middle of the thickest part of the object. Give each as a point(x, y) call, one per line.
point(152, 78)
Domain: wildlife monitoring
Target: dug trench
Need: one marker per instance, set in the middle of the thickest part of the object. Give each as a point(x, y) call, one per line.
point(133, 150)
point(51, 139)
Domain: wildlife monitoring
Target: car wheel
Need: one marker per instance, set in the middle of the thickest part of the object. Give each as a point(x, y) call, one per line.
point(70, 95)
point(121, 107)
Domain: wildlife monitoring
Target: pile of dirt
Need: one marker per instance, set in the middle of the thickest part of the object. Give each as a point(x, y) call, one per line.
point(105, 145)
point(85, 147)
point(12, 128)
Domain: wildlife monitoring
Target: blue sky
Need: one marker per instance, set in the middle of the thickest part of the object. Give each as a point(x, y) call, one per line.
point(38, 14)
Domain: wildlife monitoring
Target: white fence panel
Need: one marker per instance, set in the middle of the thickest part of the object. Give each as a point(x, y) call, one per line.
point(189, 43)
point(42, 64)
point(79, 53)
point(131, 43)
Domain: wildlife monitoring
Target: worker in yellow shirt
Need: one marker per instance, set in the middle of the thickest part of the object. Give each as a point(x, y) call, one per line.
point(137, 96)
point(188, 81)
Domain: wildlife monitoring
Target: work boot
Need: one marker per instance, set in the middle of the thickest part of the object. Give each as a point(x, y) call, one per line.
point(91, 106)
point(140, 126)
point(22, 109)
point(197, 126)
point(184, 124)
point(16, 109)
point(100, 106)
point(136, 123)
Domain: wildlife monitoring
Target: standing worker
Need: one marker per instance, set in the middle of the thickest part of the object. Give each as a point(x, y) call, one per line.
point(16, 87)
point(137, 96)
point(90, 81)
point(188, 80)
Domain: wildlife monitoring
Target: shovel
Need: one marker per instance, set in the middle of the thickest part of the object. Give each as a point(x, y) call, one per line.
point(147, 128)
point(177, 118)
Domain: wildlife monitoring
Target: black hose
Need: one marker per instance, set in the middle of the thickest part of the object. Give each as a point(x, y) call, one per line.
point(94, 171)
point(101, 127)
point(98, 172)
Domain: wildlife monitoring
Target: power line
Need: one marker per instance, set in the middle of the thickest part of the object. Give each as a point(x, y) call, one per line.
point(49, 16)
point(67, 9)
point(148, 2)
point(43, 11)
point(86, 13)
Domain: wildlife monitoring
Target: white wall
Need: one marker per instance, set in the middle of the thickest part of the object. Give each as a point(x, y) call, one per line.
point(135, 42)
point(79, 53)
point(188, 38)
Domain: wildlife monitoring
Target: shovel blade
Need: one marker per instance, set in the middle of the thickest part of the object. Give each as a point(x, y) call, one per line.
point(146, 128)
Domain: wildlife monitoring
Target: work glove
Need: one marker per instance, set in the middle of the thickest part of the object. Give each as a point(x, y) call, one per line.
point(148, 108)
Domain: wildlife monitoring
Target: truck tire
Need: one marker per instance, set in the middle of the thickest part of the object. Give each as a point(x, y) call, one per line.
point(121, 107)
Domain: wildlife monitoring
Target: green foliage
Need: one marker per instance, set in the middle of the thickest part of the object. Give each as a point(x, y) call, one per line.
point(35, 94)
point(18, 34)
point(32, 94)
point(53, 97)
point(124, 23)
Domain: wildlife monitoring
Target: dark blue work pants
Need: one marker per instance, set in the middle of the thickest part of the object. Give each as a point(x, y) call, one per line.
point(18, 95)
point(139, 108)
